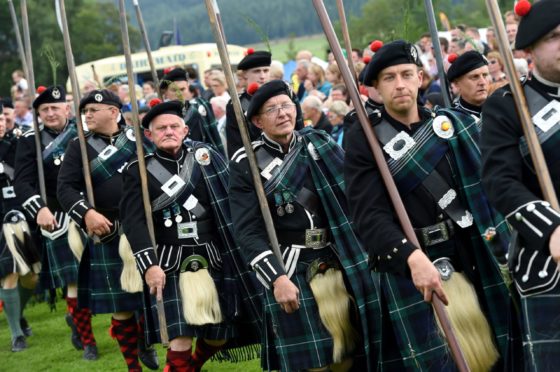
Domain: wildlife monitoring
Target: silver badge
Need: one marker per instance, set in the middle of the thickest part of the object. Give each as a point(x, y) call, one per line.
point(548, 116)
point(109, 151)
point(187, 230)
point(168, 222)
point(443, 127)
point(173, 185)
point(466, 221)
point(202, 110)
point(57, 161)
point(414, 53)
point(399, 145)
point(56, 93)
point(445, 268)
point(130, 135)
point(98, 97)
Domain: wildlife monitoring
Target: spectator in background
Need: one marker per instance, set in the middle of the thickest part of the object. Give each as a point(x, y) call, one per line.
point(219, 108)
point(88, 87)
point(276, 70)
point(496, 67)
point(339, 93)
point(337, 112)
point(474, 34)
point(313, 114)
point(23, 116)
point(241, 81)
point(333, 75)
point(148, 88)
point(316, 83)
point(218, 84)
point(19, 81)
point(511, 17)
point(194, 81)
point(458, 32)
point(511, 30)
point(444, 46)
point(302, 69)
point(304, 55)
point(207, 94)
point(428, 85)
point(491, 38)
point(356, 55)
point(457, 46)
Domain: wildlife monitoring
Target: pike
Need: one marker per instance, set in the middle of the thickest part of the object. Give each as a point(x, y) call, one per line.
point(533, 143)
point(76, 98)
point(142, 166)
point(437, 49)
point(18, 38)
point(390, 185)
point(213, 15)
point(31, 92)
point(346, 36)
point(146, 44)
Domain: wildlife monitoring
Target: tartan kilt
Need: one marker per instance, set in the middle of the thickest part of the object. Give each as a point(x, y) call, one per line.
point(7, 263)
point(99, 285)
point(410, 336)
point(297, 341)
point(61, 267)
point(176, 324)
point(541, 330)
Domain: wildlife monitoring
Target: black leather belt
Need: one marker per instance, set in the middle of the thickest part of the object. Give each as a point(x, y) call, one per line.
point(435, 234)
point(310, 238)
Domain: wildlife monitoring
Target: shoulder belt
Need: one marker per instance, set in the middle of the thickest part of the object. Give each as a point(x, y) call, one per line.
point(434, 183)
point(97, 143)
point(190, 173)
point(270, 166)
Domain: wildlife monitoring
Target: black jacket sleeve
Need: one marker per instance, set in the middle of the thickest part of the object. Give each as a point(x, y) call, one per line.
point(505, 174)
point(26, 177)
point(248, 223)
point(371, 209)
point(71, 187)
point(133, 219)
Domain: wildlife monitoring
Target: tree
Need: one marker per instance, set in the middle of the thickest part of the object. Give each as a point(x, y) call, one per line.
point(94, 32)
point(406, 19)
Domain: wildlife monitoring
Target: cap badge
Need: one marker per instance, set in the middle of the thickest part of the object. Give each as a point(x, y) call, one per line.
point(56, 93)
point(98, 97)
point(414, 53)
point(202, 110)
point(443, 127)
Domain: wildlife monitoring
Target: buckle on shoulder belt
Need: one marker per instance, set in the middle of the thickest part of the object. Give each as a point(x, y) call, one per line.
point(315, 238)
point(438, 233)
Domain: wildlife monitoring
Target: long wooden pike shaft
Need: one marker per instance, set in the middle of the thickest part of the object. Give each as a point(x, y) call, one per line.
point(147, 45)
point(396, 200)
point(76, 99)
point(31, 93)
point(535, 149)
point(213, 12)
point(18, 39)
point(346, 37)
point(437, 52)
point(141, 163)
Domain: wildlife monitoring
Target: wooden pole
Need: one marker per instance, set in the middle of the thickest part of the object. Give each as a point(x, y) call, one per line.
point(31, 93)
point(533, 143)
point(142, 164)
point(18, 39)
point(213, 14)
point(396, 200)
point(147, 45)
point(437, 52)
point(346, 36)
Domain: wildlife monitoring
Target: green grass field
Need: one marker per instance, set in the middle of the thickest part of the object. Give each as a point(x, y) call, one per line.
point(49, 349)
point(317, 44)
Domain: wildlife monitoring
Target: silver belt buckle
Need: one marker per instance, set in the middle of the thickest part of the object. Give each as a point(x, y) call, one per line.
point(315, 238)
point(435, 234)
point(187, 230)
point(445, 268)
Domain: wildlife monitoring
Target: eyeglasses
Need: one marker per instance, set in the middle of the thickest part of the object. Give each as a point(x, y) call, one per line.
point(275, 111)
point(93, 110)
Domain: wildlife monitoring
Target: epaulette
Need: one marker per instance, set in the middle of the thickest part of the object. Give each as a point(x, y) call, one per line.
point(240, 154)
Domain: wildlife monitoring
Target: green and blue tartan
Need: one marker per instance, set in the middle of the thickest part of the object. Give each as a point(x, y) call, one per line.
point(328, 179)
point(99, 283)
point(420, 346)
point(58, 145)
point(242, 310)
point(60, 266)
point(210, 126)
point(102, 170)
